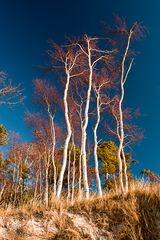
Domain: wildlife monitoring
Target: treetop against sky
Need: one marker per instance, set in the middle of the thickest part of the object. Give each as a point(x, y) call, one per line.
point(26, 29)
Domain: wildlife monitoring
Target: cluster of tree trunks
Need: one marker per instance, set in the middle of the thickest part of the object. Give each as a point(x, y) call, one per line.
point(87, 93)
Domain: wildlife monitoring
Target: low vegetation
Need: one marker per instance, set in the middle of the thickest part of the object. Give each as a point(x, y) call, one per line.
point(73, 178)
point(134, 216)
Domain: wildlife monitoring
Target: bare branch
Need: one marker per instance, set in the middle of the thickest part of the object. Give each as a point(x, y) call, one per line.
point(129, 68)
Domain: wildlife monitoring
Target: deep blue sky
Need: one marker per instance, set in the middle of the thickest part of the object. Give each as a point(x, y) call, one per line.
point(26, 26)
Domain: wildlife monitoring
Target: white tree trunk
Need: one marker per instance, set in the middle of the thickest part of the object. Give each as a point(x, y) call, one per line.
point(95, 147)
point(120, 167)
point(115, 182)
point(84, 139)
point(53, 155)
point(46, 193)
point(40, 180)
point(36, 185)
point(91, 64)
point(69, 173)
point(53, 136)
point(125, 171)
point(121, 139)
point(73, 170)
point(84, 127)
point(2, 190)
point(69, 132)
point(121, 155)
point(80, 176)
point(84, 164)
point(80, 193)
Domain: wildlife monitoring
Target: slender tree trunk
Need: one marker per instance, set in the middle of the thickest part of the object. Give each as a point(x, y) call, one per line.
point(115, 182)
point(73, 169)
point(36, 185)
point(121, 131)
point(84, 127)
point(53, 136)
point(121, 154)
point(95, 147)
point(107, 177)
point(69, 132)
point(46, 193)
point(120, 166)
point(80, 176)
point(69, 174)
point(53, 154)
point(40, 183)
point(21, 181)
point(16, 181)
point(84, 164)
point(125, 171)
point(80, 160)
point(2, 190)
point(13, 181)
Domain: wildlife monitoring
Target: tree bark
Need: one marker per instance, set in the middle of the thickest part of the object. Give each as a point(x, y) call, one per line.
point(69, 173)
point(125, 171)
point(84, 127)
point(96, 145)
point(46, 188)
point(73, 169)
point(121, 155)
point(53, 154)
point(69, 133)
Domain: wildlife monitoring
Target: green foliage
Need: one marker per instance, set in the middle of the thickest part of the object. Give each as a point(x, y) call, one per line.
point(145, 171)
point(3, 135)
point(3, 141)
point(25, 171)
point(107, 154)
point(3, 163)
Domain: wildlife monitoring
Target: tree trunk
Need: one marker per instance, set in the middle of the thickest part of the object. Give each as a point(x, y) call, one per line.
point(40, 182)
point(53, 154)
point(80, 177)
point(95, 148)
point(84, 165)
point(121, 154)
point(69, 132)
point(73, 170)
point(84, 128)
point(125, 171)
point(36, 185)
point(80, 161)
point(46, 193)
point(115, 183)
point(69, 173)
point(120, 167)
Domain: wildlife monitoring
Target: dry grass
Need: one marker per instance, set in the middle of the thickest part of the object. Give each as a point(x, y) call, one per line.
point(133, 216)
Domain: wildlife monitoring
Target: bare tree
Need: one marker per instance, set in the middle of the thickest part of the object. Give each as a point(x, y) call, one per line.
point(68, 56)
point(9, 94)
point(79, 111)
point(73, 168)
point(134, 32)
point(93, 55)
point(47, 96)
point(100, 83)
